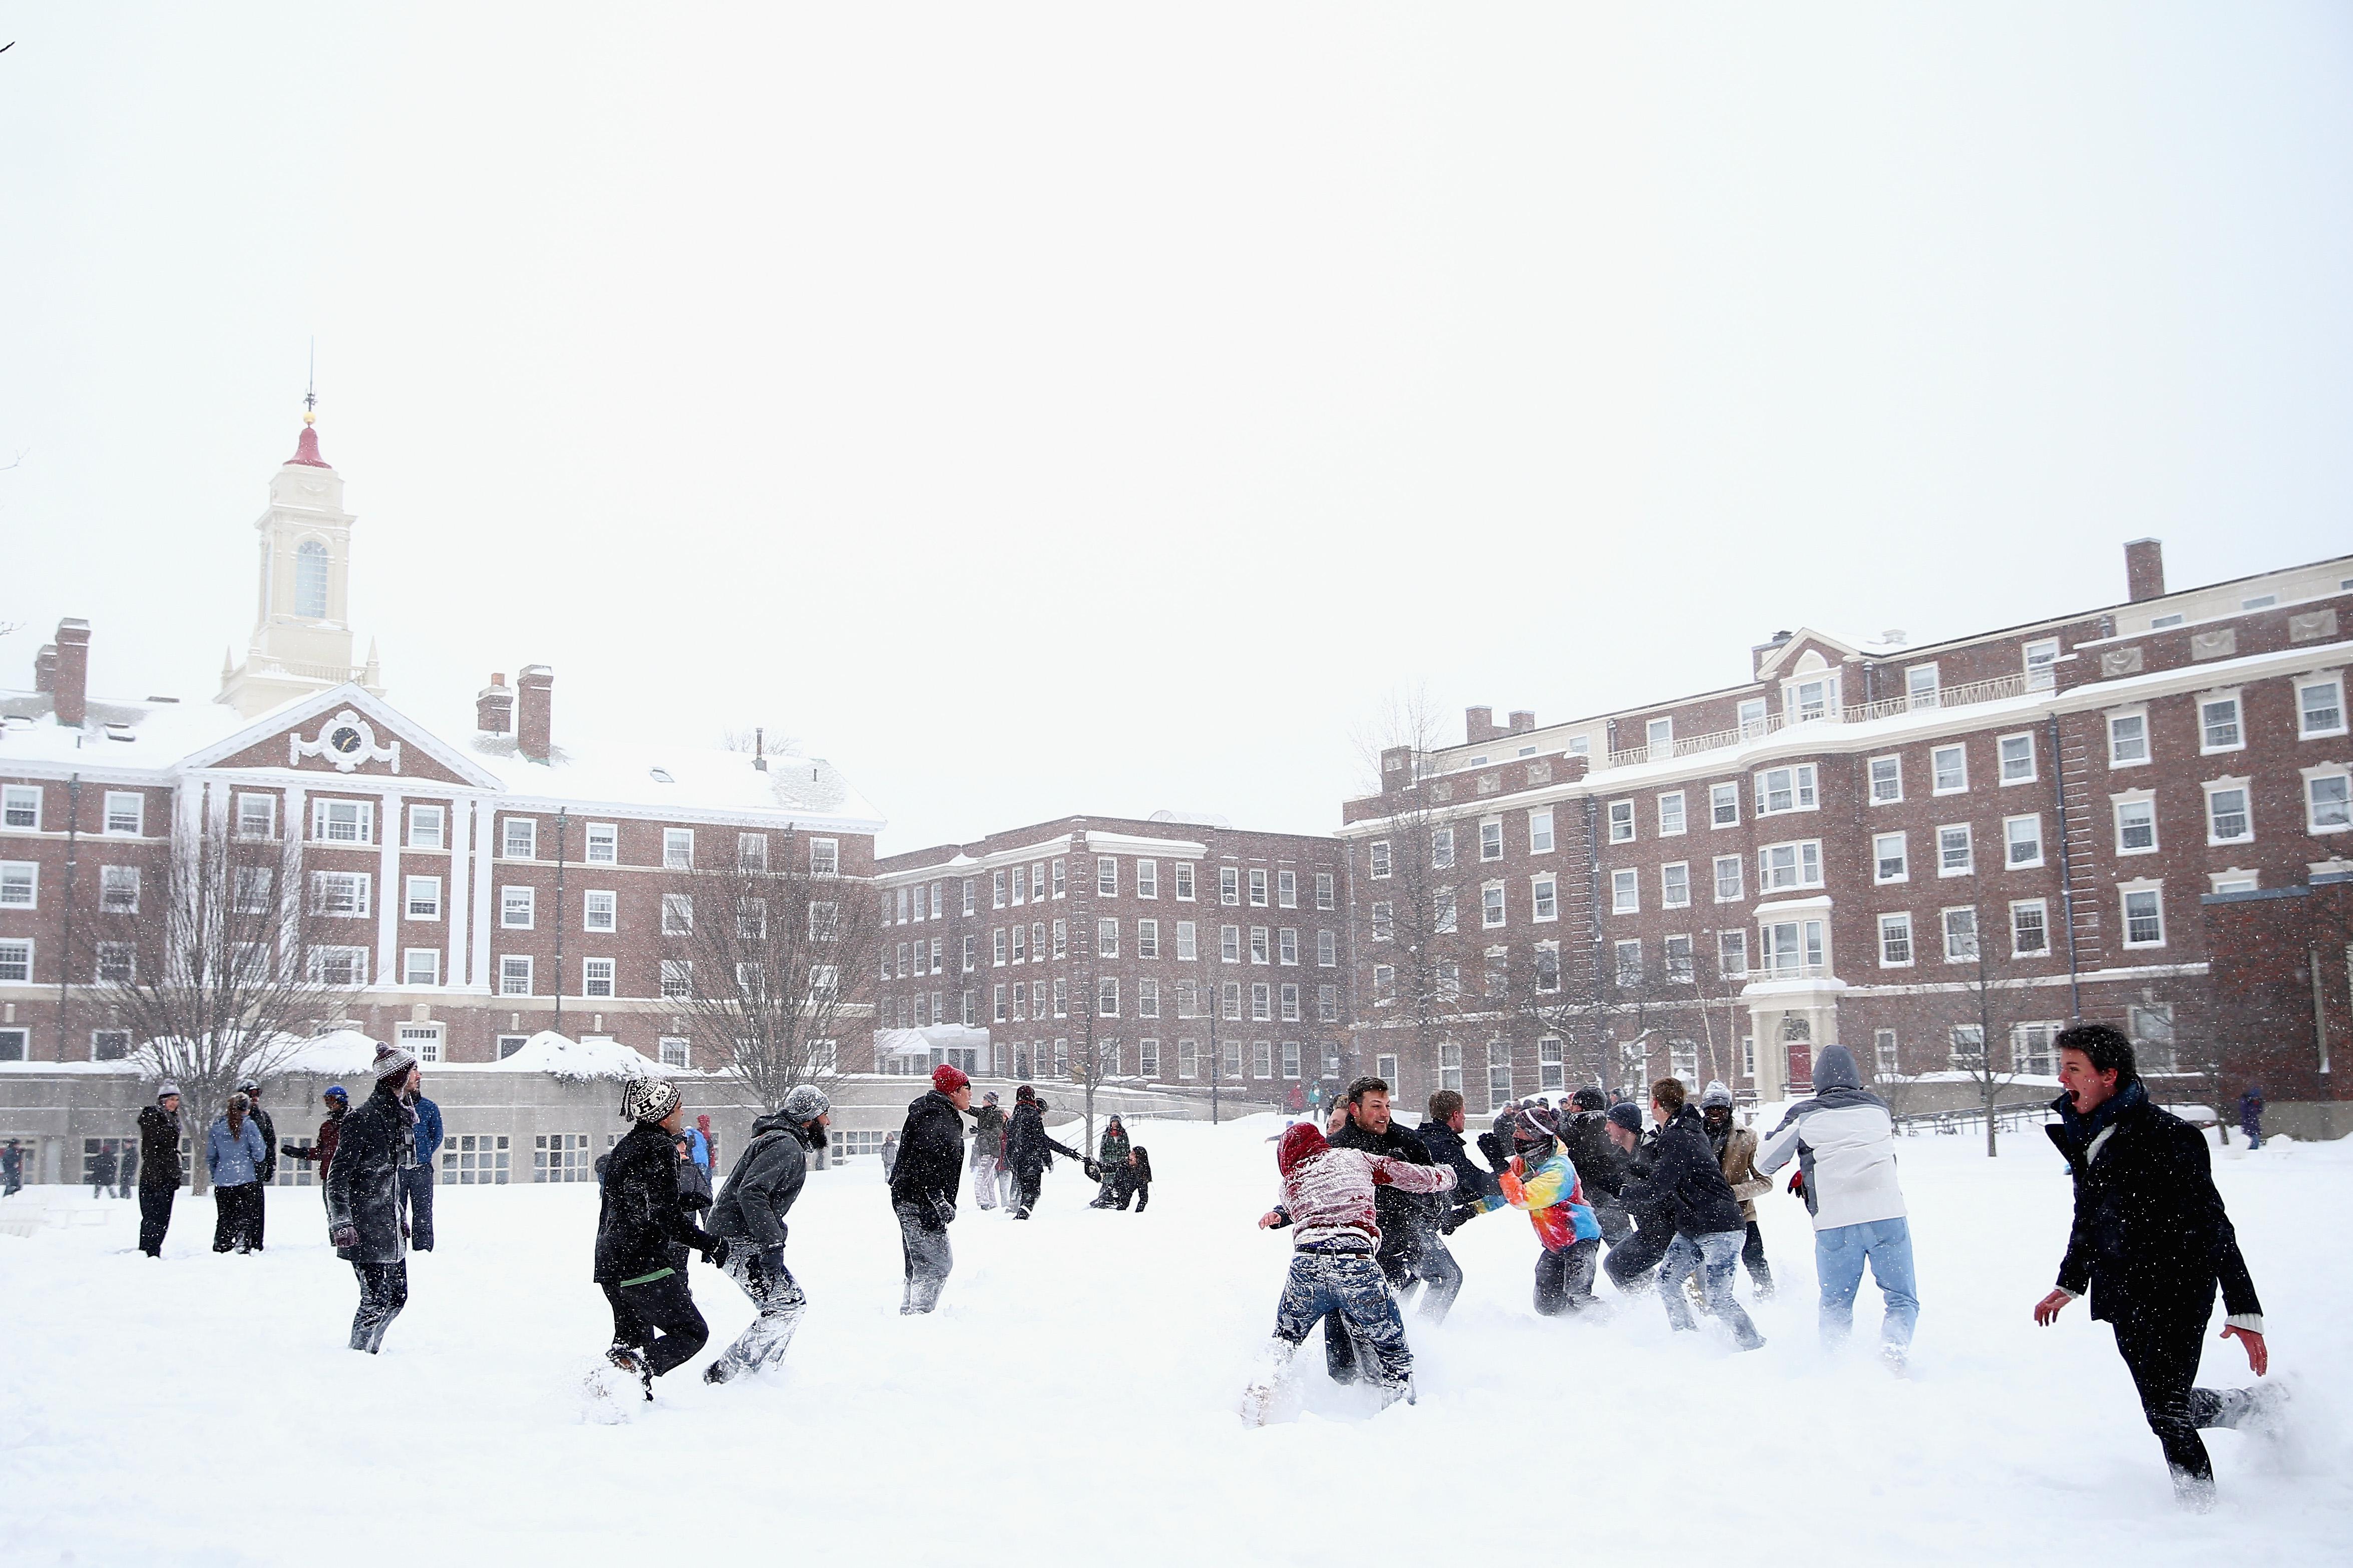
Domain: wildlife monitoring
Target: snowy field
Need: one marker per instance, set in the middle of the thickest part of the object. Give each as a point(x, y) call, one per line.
point(1074, 1397)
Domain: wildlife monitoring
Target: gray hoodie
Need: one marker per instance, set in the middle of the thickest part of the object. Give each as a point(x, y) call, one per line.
point(766, 1179)
point(1845, 1140)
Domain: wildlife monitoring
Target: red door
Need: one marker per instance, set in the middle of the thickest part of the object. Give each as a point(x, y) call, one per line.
point(1801, 1067)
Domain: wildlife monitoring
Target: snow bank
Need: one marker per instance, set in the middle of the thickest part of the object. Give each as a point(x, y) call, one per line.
point(552, 1054)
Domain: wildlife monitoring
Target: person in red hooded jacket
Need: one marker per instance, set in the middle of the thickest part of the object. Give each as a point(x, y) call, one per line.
point(1327, 1202)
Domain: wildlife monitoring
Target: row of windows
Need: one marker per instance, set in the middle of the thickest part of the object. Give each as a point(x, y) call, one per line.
point(1012, 887)
point(123, 813)
point(1020, 1001)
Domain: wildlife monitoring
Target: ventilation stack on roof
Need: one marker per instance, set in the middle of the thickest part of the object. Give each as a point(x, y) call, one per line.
point(494, 706)
point(1478, 724)
point(2145, 569)
point(72, 678)
point(535, 712)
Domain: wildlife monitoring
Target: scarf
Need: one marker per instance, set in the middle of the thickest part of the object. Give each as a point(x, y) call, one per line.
point(2083, 1129)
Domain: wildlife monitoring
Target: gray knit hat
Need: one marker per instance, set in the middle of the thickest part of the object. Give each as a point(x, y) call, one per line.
point(805, 1102)
point(1715, 1094)
point(166, 1089)
point(391, 1061)
point(648, 1099)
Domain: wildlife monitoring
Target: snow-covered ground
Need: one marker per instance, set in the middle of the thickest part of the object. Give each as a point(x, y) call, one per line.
point(1074, 1398)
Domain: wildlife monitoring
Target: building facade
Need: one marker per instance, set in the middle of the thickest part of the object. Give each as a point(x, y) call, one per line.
point(1937, 856)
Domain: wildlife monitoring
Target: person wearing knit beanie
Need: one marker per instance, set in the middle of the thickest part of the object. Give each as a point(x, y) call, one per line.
point(948, 1079)
point(925, 1185)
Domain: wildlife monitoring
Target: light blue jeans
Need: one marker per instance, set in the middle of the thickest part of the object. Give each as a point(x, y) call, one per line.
point(1716, 1256)
point(1840, 1254)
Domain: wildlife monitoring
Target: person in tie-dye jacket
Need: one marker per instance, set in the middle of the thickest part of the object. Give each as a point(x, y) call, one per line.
point(1542, 1181)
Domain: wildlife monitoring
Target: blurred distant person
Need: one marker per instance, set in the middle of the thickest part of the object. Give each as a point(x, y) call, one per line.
point(251, 1089)
point(159, 1167)
point(2251, 1116)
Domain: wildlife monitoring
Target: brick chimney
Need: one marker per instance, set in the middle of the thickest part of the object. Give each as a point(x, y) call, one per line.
point(536, 711)
point(44, 667)
point(494, 707)
point(2145, 569)
point(1523, 721)
point(1478, 724)
point(71, 688)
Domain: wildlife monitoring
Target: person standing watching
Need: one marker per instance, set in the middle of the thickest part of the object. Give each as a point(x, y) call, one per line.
point(376, 1143)
point(322, 1151)
point(2151, 1243)
point(925, 1183)
point(159, 1167)
point(251, 1089)
point(233, 1157)
point(2250, 1115)
point(1687, 1182)
point(987, 1150)
point(417, 1180)
point(750, 1218)
point(1845, 1143)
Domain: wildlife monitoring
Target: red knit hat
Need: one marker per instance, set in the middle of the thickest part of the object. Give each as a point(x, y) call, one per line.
point(947, 1080)
point(1301, 1142)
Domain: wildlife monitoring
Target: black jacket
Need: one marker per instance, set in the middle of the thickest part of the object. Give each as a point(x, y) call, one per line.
point(1600, 1169)
point(987, 1133)
point(1686, 1182)
point(159, 1148)
point(269, 1142)
point(930, 1173)
point(1472, 1181)
point(378, 1142)
point(1406, 1220)
point(767, 1177)
point(2150, 1232)
point(641, 1216)
point(1112, 1149)
point(1028, 1149)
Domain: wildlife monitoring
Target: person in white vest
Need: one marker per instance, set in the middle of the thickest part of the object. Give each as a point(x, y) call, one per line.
point(1845, 1140)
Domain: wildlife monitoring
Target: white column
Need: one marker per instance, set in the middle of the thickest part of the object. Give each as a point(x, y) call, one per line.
point(296, 826)
point(486, 826)
point(457, 899)
point(388, 899)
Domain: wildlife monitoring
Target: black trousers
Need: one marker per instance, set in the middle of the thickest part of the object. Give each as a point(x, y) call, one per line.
point(664, 1304)
point(1565, 1279)
point(1027, 1183)
point(383, 1291)
point(238, 1209)
point(1632, 1261)
point(154, 1218)
point(1616, 1223)
point(257, 1212)
point(2161, 1350)
point(416, 1206)
point(1752, 1254)
point(1140, 1192)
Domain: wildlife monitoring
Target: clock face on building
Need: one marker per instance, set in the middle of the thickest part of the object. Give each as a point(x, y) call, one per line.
point(345, 739)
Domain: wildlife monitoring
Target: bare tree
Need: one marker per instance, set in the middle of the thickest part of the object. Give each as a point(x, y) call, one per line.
point(1414, 879)
point(1985, 1011)
point(768, 958)
point(220, 962)
point(1094, 1054)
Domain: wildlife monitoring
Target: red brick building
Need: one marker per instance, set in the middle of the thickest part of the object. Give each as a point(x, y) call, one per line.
point(1182, 947)
point(1936, 855)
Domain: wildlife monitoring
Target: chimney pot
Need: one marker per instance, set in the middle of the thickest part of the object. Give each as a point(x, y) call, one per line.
point(494, 707)
point(2145, 569)
point(1478, 724)
point(1523, 721)
point(534, 712)
point(71, 688)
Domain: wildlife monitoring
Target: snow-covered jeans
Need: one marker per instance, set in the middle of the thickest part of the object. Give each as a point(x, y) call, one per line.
point(924, 1242)
point(778, 1297)
point(1440, 1277)
point(1565, 1279)
point(983, 1180)
point(1349, 1286)
point(1714, 1256)
point(1839, 1253)
point(383, 1291)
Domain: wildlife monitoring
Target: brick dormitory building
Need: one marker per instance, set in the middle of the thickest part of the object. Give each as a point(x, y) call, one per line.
point(1937, 856)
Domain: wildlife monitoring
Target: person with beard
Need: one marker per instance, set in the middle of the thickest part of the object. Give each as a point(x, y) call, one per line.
point(257, 1217)
point(1735, 1151)
point(1030, 1151)
point(1409, 1251)
point(233, 1157)
point(159, 1167)
point(1686, 1181)
point(322, 1148)
point(750, 1218)
point(988, 1167)
point(925, 1185)
point(2151, 1243)
point(1542, 1180)
point(376, 1143)
point(638, 1220)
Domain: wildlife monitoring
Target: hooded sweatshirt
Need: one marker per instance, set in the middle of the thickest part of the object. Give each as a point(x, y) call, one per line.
point(1327, 1193)
point(1845, 1142)
point(767, 1179)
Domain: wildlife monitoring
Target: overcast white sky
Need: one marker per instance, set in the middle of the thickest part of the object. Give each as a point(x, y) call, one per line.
point(1041, 409)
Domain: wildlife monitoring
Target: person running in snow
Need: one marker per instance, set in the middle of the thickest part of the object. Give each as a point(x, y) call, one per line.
point(988, 1153)
point(1686, 1181)
point(257, 1218)
point(1845, 1143)
point(2251, 1116)
point(925, 1183)
point(2151, 1243)
point(1440, 1133)
point(1543, 1180)
point(1409, 1249)
point(159, 1167)
point(1030, 1151)
point(417, 1180)
point(1634, 1260)
point(1735, 1151)
point(1110, 1158)
point(750, 1218)
point(233, 1155)
point(638, 1220)
point(376, 1143)
point(323, 1150)
point(1328, 1202)
point(1134, 1180)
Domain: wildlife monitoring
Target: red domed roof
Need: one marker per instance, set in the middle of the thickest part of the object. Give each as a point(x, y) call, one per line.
point(306, 450)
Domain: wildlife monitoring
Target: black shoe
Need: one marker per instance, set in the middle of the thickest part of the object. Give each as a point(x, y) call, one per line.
point(626, 1358)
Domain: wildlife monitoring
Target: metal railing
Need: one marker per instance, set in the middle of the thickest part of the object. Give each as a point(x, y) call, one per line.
point(2008, 1118)
point(1997, 689)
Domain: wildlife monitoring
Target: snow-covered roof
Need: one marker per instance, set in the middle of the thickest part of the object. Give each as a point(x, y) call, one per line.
point(921, 1042)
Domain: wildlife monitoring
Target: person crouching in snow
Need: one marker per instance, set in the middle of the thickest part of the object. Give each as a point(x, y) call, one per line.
point(1134, 1180)
point(1542, 1180)
point(640, 1216)
point(1327, 1202)
point(750, 1218)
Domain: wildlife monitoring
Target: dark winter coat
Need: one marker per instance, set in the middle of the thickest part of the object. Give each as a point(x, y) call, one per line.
point(1028, 1149)
point(2251, 1113)
point(1112, 1148)
point(1602, 1171)
point(930, 1173)
point(1686, 1182)
point(159, 1148)
point(1472, 1181)
point(364, 1186)
point(101, 1169)
point(1408, 1220)
point(429, 1131)
point(641, 1216)
point(261, 1118)
point(323, 1150)
point(768, 1176)
point(987, 1133)
point(2151, 1230)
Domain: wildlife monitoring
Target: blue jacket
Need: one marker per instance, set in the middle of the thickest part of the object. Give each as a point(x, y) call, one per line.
point(429, 1131)
point(697, 1149)
point(233, 1161)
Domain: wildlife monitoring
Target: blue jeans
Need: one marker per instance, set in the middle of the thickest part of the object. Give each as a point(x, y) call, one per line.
point(1350, 1289)
point(1715, 1256)
point(1839, 1253)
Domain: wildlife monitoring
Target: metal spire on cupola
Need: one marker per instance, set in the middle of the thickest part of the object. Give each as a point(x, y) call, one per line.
point(306, 449)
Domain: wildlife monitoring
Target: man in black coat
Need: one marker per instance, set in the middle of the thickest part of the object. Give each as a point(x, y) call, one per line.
point(1635, 1256)
point(750, 1218)
point(1687, 1182)
point(1029, 1151)
point(639, 1219)
point(267, 1170)
point(159, 1167)
point(2151, 1243)
point(1409, 1247)
point(1442, 1135)
point(925, 1185)
point(1600, 1168)
point(375, 1144)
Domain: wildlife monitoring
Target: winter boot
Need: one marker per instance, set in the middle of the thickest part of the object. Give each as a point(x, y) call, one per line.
point(626, 1358)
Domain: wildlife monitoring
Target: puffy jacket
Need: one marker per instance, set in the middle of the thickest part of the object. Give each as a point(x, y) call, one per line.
point(2150, 1230)
point(640, 1216)
point(768, 1176)
point(1554, 1200)
point(1685, 1182)
point(1845, 1143)
point(1330, 1198)
point(1600, 1169)
point(159, 1148)
point(235, 1159)
point(930, 1172)
point(375, 1145)
point(1737, 1153)
point(1028, 1147)
point(429, 1131)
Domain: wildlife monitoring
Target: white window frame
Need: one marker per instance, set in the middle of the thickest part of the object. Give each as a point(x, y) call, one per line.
point(514, 896)
point(359, 887)
point(2153, 891)
point(1804, 789)
point(1673, 818)
point(2134, 800)
point(599, 972)
point(1377, 860)
point(431, 901)
point(1967, 866)
point(1897, 924)
point(1959, 753)
point(1621, 821)
point(1805, 865)
point(1491, 912)
point(2113, 719)
point(1669, 875)
point(514, 974)
point(514, 830)
point(2009, 841)
point(2333, 681)
point(1541, 839)
point(125, 806)
point(1922, 686)
point(2039, 660)
point(1491, 839)
point(1738, 865)
point(600, 843)
point(1944, 932)
point(1147, 879)
point(2341, 776)
point(2245, 788)
point(2041, 908)
point(429, 958)
point(323, 817)
point(1544, 899)
point(24, 801)
point(2003, 756)
point(429, 826)
point(677, 848)
point(1626, 891)
point(21, 884)
point(2207, 745)
point(1880, 875)
point(118, 890)
point(1106, 876)
point(1724, 804)
point(16, 953)
point(1893, 777)
point(601, 904)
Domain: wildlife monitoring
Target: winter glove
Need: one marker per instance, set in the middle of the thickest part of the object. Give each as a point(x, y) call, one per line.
point(345, 1236)
point(1093, 1171)
point(943, 1210)
point(1798, 1183)
point(1490, 1144)
point(717, 1256)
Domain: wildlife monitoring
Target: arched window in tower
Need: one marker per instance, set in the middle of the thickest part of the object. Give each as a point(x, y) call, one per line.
point(311, 579)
